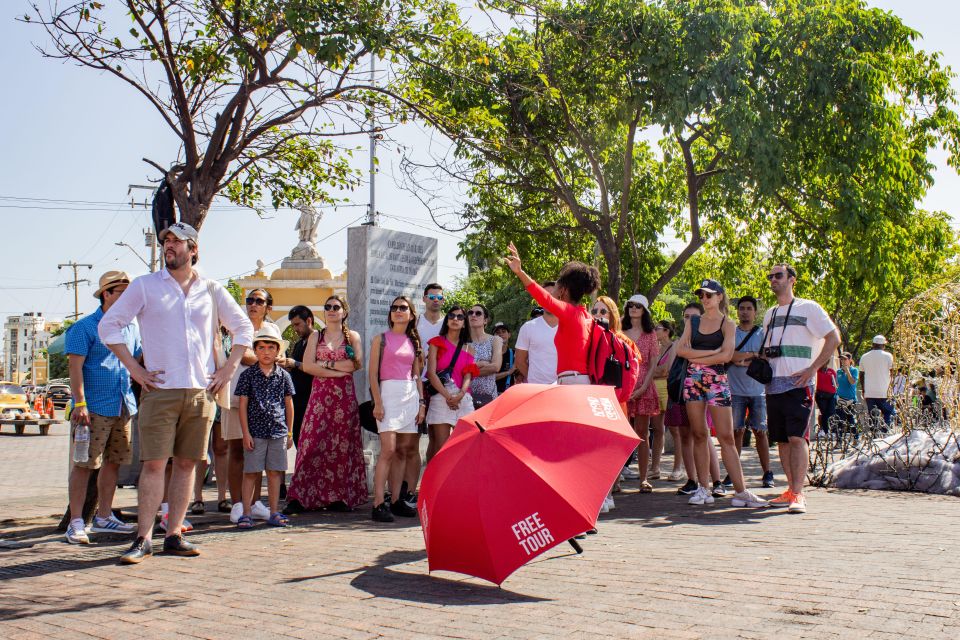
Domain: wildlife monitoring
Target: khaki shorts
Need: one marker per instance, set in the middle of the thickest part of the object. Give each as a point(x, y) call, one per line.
point(175, 422)
point(110, 440)
point(230, 427)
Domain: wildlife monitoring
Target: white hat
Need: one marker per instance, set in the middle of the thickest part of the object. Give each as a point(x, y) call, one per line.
point(641, 300)
point(879, 339)
point(270, 332)
point(180, 229)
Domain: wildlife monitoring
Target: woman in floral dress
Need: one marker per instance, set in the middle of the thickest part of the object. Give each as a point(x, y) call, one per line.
point(330, 470)
point(644, 404)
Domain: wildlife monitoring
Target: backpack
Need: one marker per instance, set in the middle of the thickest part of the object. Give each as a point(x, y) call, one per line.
point(678, 370)
point(611, 361)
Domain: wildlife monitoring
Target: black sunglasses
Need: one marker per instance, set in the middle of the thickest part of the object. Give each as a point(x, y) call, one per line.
point(256, 301)
point(778, 275)
point(705, 295)
point(475, 312)
point(602, 311)
point(332, 307)
point(399, 308)
point(455, 316)
point(634, 305)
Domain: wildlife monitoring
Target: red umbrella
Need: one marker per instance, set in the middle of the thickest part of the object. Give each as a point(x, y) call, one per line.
point(526, 472)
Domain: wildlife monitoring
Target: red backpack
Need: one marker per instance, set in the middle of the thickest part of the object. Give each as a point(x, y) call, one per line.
point(611, 361)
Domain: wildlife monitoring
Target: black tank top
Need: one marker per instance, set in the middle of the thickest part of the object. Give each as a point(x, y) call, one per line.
point(707, 341)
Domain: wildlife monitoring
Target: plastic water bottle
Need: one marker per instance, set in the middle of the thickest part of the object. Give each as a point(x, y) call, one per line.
point(81, 443)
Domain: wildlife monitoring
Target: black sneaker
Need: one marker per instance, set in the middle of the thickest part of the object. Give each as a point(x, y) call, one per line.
point(402, 509)
point(718, 490)
point(727, 482)
point(140, 549)
point(768, 480)
point(688, 488)
point(381, 513)
point(177, 546)
point(410, 499)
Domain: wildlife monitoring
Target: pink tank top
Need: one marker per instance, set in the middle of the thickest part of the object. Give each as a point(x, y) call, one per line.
point(398, 355)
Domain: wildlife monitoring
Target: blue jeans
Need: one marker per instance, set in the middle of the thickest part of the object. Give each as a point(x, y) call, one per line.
point(884, 406)
point(826, 405)
point(758, 413)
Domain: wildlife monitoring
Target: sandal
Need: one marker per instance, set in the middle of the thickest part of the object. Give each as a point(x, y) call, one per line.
point(646, 487)
point(277, 519)
point(224, 506)
point(198, 508)
point(244, 522)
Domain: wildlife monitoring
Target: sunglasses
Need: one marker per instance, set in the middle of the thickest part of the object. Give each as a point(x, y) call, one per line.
point(705, 295)
point(634, 305)
point(475, 313)
point(779, 275)
point(332, 307)
point(455, 316)
point(256, 301)
point(399, 308)
point(601, 311)
point(435, 296)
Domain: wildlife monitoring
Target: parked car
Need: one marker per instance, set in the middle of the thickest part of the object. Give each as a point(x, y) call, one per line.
point(60, 394)
point(13, 402)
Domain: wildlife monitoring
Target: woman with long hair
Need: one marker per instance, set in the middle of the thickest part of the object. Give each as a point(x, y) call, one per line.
point(643, 407)
point(450, 369)
point(330, 470)
point(396, 360)
point(708, 345)
point(664, 332)
point(488, 354)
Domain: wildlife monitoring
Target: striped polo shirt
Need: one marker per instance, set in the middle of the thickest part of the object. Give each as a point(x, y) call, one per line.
point(802, 338)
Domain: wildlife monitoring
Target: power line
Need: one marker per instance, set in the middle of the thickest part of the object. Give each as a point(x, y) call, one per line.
point(74, 283)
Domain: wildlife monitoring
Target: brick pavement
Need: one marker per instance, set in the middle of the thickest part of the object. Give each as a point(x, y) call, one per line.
point(858, 565)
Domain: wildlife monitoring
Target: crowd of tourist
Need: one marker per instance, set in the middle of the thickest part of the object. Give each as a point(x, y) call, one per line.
point(213, 377)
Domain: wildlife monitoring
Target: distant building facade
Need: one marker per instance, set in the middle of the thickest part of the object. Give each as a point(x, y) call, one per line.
point(24, 338)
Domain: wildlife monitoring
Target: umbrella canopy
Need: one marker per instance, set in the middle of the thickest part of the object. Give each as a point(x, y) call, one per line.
point(522, 474)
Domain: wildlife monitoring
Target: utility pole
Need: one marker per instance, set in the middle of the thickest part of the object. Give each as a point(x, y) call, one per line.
point(75, 283)
point(149, 235)
point(372, 211)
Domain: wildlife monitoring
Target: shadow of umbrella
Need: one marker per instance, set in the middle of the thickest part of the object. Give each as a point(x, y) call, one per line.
point(380, 581)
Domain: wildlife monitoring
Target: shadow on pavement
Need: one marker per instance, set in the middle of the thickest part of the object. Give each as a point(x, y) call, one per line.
point(55, 604)
point(380, 581)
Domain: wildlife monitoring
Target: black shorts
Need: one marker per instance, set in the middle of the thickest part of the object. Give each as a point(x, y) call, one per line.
point(788, 414)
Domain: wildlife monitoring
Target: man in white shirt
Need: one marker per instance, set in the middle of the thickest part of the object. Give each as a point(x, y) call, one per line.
point(536, 351)
point(179, 313)
point(875, 367)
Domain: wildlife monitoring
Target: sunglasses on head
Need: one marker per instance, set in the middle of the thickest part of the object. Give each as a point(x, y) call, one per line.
point(705, 295)
point(256, 301)
point(601, 311)
point(475, 313)
point(455, 316)
point(399, 308)
point(777, 275)
point(435, 296)
point(332, 307)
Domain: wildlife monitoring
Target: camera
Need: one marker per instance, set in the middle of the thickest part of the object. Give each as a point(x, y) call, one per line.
point(772, 352)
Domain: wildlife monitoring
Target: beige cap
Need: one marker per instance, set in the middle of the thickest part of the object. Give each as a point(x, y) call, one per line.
point(109, 279)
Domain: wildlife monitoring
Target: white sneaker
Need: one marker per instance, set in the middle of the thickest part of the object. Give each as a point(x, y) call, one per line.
point(798, 505)
point(609, 502)
point(629, 474)
point(76, 532)
point(701, 496)
point(111, 525)
point(186, 526)
point(607, 505)
point(259, 511)
point(236, 511)
point(746, 498)
point(675, 476)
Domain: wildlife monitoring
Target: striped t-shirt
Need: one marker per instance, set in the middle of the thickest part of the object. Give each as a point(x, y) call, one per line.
point(802, 340)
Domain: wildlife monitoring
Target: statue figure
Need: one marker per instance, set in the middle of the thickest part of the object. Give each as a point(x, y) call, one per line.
point(307, 226)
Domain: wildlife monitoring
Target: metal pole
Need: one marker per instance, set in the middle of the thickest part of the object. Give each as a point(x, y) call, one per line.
point(372, 212)
point(75, 283)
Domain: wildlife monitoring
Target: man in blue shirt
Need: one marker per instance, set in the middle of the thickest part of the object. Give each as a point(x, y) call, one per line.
point(747, 395)
point(847, 378)
point(103, 401)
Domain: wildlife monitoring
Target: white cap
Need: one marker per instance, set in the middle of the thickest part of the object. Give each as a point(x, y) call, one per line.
point(879, 339)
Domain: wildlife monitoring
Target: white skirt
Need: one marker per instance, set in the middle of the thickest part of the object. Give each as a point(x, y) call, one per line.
point(439, 413)
point(401, 403)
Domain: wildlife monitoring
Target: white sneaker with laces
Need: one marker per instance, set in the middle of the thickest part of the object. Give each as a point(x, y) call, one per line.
point(236, 511)
point(700, 497)
point(111, 525)
point(259, 511)
point(76, 532)
point(746, 498)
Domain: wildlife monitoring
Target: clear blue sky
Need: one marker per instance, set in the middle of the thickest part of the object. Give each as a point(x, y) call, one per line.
point(71, 134)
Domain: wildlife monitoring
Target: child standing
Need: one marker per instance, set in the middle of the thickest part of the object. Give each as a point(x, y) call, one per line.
point(266, 416)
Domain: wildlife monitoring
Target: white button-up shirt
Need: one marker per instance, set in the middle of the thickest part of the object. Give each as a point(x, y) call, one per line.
point(176, 330)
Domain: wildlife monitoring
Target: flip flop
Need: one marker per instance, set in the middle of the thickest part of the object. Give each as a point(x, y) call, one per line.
point(224, 506)
point(245, 522)
point(198, 508)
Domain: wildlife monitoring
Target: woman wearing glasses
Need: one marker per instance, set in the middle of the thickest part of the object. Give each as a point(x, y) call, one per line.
point(488, 354)
point(330, 471)
point(708, 345)
point(643, 408)
point(450, 368)
point(396, 360)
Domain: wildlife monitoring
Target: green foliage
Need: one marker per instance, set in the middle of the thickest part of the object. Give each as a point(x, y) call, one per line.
point(58, 366)
point(235, 291)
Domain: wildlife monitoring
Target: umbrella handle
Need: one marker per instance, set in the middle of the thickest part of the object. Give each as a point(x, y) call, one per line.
point(576, 545)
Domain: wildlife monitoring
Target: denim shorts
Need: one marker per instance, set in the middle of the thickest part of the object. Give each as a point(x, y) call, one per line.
point(706, 383)
point(757, 420)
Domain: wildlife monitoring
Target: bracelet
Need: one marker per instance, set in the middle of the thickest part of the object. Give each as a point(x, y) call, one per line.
point(423, 401)
point(79, 404)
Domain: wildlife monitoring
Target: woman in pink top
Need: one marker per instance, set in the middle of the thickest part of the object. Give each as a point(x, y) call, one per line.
point(398, 404)
point(449, 378)
point(576, 280)
point(644, 404)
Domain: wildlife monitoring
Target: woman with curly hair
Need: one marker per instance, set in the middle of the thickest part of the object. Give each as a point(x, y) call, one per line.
point(330, 470)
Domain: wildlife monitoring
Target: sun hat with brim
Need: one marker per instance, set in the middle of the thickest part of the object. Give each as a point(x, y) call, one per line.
point(270, 332)
point(180, 229)
point(711, 286)
point(111, 279)
point(879, 339)
point(639, 298)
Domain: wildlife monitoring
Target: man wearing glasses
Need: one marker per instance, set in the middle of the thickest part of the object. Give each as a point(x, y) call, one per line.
point(800, 338)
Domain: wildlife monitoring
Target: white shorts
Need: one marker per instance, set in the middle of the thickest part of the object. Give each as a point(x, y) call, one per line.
point(230, 427)
point(401, 404)
point(440, 413)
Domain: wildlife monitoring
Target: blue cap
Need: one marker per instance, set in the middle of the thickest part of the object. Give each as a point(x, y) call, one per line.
point(710, 285)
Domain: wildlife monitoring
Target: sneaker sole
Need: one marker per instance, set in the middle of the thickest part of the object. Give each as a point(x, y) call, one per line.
point(749, 505)
point(182, 554)
point(87, 541)
point(106, 530)
point(797, 510)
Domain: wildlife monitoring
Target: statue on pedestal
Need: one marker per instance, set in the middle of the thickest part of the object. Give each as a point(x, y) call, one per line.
point(307, 226)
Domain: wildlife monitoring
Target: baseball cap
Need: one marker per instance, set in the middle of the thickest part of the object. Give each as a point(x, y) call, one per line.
point(501, 325)
point(180, 229)
point(109, 279)
point(710, 285)
point(879, 339)
point(641, 300)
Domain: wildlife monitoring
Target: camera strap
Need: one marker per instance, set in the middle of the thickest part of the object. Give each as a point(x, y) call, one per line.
point(773, 322)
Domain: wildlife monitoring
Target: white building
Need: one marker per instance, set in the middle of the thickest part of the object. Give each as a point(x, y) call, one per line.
point(23, 338)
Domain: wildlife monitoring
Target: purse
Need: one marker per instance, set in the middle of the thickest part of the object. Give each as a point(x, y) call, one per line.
point(365, 410)
point(678, 371)
point(223, 396)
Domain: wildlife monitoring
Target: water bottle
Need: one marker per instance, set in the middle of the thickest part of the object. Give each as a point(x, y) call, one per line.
point(81, 443)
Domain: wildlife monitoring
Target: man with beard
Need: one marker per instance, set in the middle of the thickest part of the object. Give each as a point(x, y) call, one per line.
point(301, 319)
point(179, 313)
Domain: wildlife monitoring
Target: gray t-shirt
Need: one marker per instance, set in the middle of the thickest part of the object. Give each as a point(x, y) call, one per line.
point(740, 383)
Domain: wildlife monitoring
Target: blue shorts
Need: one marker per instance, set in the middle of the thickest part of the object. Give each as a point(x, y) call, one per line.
point(758, 413)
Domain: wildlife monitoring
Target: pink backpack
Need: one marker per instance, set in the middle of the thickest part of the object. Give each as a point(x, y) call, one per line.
point(611, 361)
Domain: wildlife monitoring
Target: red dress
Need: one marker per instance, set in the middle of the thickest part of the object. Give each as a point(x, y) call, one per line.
point(649, 403)
point(330, 465)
